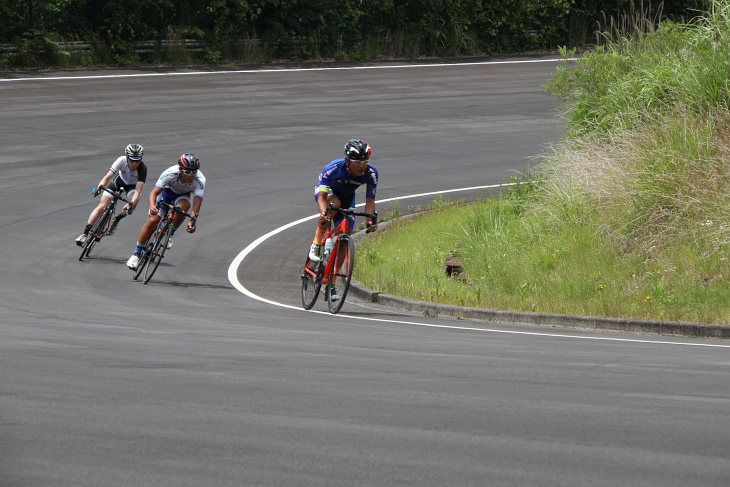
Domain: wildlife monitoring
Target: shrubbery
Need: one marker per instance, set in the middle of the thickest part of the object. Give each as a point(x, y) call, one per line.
point(309, 29)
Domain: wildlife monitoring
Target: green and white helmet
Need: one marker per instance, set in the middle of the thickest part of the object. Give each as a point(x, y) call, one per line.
point(134, 152)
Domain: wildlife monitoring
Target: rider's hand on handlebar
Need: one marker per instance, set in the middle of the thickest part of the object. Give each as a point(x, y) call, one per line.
point(371, 227)
point(154, 210)
point(96, 190)
point(323, 218)
point(191, 226)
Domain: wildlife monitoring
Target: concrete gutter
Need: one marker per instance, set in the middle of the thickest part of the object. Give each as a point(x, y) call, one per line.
point(622, 325)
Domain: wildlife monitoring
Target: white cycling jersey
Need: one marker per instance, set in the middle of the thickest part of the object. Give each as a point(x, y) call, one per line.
point(170, 178)
point(127, 175)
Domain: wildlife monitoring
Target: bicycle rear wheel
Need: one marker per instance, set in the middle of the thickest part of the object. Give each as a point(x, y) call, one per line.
point(95, 234)
point(158, 252)
point(311, 283)
point(345, 248)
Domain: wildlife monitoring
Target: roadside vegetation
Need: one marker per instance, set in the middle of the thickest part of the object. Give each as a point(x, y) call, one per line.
point(36, 34)
point(628, 217)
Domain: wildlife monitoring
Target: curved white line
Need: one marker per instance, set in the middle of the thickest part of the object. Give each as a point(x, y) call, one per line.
point(233, 278)
point(285, 70)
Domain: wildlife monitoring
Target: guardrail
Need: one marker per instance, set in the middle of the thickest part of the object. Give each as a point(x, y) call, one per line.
point(6, 50)
point(146, 47)
point(142, 47)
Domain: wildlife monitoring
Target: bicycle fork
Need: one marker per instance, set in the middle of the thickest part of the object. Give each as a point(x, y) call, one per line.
point(158, 235)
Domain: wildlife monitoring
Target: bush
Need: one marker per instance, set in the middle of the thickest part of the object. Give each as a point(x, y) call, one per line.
point(322, 28)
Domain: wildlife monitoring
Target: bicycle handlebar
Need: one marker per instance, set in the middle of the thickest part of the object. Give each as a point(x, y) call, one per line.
point(350, 211)
point(176, 209)
point(117, 194)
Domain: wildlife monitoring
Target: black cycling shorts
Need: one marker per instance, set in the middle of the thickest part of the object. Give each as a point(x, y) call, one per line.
point(116, 184)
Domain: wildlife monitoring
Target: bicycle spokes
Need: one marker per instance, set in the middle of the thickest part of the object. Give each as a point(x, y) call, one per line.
point(311, 283)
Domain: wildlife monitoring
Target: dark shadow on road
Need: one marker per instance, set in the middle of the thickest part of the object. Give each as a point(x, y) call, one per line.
point(105, 260)
point(113, 260)
point(192, 284)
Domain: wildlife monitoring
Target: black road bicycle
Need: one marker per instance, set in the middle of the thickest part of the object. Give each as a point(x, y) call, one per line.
point(335, 266)
point(103, 224)
point(154, 250)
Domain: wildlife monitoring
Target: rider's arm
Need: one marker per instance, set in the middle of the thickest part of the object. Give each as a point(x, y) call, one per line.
point(322, 201)
point(105, 180)
point(137, 194)
point(324, 186)
point(372, 178)
point(370, 208)
point(153, 199)
point(197, 202)
point(196, 209)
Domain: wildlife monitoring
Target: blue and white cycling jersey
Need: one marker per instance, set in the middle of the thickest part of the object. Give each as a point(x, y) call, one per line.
point(170, 178)
point(335, 179)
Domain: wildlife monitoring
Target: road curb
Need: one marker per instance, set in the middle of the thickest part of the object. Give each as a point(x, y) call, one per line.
point(622, 325)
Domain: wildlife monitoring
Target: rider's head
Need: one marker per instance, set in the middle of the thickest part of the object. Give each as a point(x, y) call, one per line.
point(357, 154)
point(134, 154)
point(188, 165)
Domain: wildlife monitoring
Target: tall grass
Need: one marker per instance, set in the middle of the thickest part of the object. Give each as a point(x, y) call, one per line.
point(639, 70)
point(628, 217)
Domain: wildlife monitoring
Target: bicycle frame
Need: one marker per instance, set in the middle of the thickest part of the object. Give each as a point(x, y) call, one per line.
point(323, 272)
point(334, 233)
point(166, 220)
point(101, 226)
point(112, 205)
point(151, 255)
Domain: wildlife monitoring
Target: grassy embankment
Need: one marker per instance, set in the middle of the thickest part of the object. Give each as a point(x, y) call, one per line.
point(628, 217)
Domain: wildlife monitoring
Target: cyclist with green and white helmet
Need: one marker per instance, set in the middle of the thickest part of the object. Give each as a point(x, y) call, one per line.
point(127, 173)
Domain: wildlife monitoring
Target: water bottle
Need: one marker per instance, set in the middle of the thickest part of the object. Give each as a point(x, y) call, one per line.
point(328, 244)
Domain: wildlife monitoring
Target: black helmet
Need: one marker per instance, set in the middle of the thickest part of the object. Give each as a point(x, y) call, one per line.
point(134, 152)
point(188, 162)
point(357, 150)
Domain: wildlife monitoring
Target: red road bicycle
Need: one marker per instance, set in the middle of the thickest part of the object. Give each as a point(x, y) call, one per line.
point(335, 266)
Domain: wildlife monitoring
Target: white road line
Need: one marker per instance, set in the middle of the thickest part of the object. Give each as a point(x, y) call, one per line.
point(284, 70)
point(233, 278)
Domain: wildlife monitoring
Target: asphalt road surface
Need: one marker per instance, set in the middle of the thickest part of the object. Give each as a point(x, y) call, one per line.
point(190, 380)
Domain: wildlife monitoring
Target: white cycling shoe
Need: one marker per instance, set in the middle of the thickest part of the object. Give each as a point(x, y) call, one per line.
point(169, 242)
point(81, 240)
point(133, 262)
point(314, 252)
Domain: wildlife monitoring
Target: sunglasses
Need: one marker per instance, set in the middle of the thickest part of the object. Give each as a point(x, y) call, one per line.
point(362, 163)
point(188, 172)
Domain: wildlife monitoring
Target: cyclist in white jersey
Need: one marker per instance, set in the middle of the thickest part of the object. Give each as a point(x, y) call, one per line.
point(183, 185)
point(129, 173)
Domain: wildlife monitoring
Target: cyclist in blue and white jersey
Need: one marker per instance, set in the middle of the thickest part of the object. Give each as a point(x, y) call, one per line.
point(129, 173)
point(337, 184)
point(183, 185)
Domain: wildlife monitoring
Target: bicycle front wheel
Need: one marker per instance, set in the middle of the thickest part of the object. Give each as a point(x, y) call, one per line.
point(95, 234)
point(158, 252)
point(143, 259)
point(345, 259)
point(311, 283)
